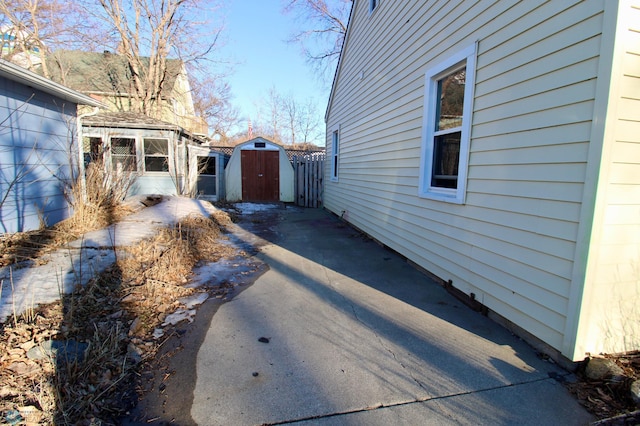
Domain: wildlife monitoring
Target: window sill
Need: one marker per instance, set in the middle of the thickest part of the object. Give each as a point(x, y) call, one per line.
point(446, 196)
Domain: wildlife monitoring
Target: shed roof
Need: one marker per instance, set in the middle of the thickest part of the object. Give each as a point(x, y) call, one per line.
point(21, 75)
point(133, 120)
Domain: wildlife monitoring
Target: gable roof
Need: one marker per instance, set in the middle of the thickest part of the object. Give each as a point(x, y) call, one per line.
point(100, 72)
point(339, 65)
point(258, 139)
point(21, 75)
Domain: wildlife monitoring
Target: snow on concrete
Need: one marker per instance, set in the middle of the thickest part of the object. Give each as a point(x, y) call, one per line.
point(178, 316)
point(220, 272)
point(194, 300)
point(249, 208)
point(187, 313)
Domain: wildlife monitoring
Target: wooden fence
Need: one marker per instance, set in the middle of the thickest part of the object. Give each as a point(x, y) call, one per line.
point(308, 175)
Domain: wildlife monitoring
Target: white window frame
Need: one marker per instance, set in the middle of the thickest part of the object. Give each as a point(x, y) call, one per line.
point(465, 58)
point(115, 164)
point(335, 153)
point(146, 155)
point(87, 148)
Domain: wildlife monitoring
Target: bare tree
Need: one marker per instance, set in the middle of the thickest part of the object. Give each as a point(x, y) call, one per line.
point(288, 120)
point(290, 113)
point(149, 32)
point(301, 120)
point(32, 28)
point(274, 114)
point(212, 101)
point(308, 122)
point(324, 26)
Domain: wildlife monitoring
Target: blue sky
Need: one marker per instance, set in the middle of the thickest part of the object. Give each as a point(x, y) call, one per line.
point(256, 33)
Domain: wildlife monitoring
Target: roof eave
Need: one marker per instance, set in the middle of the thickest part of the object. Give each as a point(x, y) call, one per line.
point(335, 75)
point(29, 78)
point(151, 126)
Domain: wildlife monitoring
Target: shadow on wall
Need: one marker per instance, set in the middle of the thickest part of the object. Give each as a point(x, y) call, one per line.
point(37, 165)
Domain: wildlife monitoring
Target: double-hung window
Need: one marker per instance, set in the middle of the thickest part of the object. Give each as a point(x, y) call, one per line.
point(123, 154)
point(156, 155)
point(447, 126)
point(92, 149)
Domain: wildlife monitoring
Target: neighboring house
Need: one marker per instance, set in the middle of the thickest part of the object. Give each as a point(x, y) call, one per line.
point(496, 144)
point(38, 148)
point(259, 170)
point(166, 158)
point(19, 48)
point(107, 77)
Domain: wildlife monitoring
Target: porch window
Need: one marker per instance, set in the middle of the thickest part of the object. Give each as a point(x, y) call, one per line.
point(156, 155)
point(91, 149)
point(123, 154)
point(447, 127)
point(207, 182)
point(207, 165)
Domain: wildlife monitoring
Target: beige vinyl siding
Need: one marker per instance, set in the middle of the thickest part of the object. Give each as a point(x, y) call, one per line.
point(513, 242)
point(610, 320)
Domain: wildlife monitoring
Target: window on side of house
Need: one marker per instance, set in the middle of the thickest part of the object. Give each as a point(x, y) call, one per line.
point(335, 153)
point(207, 181)
point(92, 149)
point(447, 127)
point(123, 154)
point(207, 165)
point(156, 155)
point(373, 4)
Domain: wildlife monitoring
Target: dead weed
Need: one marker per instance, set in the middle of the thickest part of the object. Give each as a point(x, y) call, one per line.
point(112, 320)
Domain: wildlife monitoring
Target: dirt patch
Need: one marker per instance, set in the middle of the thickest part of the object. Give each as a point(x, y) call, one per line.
point(609, 399)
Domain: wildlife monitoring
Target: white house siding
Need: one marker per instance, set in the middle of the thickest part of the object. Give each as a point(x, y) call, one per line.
point(513, 242)
point(612, 286)
point(36, 151)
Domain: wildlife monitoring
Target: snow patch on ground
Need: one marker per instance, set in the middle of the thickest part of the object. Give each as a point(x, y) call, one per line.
point(249, 208)
point(220, 272)
point(179, 315)
point(194, 300)
point(25, 286)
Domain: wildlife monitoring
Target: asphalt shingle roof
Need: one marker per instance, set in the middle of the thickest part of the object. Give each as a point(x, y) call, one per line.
point(99, 72)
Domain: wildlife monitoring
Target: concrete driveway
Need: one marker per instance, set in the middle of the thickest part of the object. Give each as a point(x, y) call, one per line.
point(342, 331)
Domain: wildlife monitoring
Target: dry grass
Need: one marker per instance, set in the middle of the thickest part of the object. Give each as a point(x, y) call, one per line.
point(98, 206)
point(101, 207)
point(115, 314)
point(154, 271)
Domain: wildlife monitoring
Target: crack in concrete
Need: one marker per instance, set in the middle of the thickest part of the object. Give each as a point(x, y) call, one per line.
point(405, 403)
point(388, 349)
point(373, 330)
